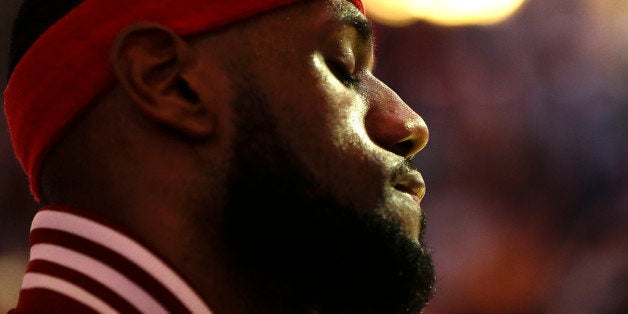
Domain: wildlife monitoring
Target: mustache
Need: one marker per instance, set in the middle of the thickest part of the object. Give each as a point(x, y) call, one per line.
point(403, 167)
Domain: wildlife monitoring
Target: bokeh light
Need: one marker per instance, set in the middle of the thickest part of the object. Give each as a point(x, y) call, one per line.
point(442, 12)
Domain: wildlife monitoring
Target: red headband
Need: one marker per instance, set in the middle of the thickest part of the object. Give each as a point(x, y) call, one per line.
point(68, 66)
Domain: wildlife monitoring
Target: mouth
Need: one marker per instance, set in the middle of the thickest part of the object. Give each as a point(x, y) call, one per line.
point(411, 183)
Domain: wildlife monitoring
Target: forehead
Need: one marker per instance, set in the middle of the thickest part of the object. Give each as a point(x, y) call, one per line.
point(311, 20)
point(303, 25)
point(347, 14)
point(321, 14)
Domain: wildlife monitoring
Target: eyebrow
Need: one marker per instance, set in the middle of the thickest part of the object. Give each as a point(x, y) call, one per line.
point(347, 15)
point(360, 23)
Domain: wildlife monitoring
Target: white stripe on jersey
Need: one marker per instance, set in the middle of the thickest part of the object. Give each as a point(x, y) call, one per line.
point(124, 246)
point(42, 281)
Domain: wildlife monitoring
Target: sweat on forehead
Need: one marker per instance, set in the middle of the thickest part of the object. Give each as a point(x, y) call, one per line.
point(74, 52)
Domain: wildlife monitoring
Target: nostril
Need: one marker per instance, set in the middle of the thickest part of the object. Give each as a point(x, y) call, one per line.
point(404, 141)
point(405, 148)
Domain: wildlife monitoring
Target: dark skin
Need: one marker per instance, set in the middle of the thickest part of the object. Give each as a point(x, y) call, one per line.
point(158, 148)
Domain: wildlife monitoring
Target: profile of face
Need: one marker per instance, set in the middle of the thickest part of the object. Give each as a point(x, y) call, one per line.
point(322, 205)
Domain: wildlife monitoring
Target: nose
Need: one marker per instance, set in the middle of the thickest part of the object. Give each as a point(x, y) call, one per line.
point(392, 124)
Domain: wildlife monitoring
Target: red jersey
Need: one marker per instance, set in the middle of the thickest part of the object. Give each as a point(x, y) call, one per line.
point(82, 264)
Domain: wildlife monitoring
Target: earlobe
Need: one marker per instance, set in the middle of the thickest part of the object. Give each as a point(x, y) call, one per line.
point(153, 65)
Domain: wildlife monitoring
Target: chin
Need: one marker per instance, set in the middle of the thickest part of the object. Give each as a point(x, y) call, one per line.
point(317, 253)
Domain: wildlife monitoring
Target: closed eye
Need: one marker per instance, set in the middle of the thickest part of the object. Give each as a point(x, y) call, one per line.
point(342, 73)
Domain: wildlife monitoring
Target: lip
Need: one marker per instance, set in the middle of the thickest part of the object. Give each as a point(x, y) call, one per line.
point(412, 183)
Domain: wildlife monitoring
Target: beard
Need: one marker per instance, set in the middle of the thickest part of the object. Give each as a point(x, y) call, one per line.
point(303, 246)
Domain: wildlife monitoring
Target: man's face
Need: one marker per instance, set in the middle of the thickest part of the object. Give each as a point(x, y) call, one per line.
point(321, 205)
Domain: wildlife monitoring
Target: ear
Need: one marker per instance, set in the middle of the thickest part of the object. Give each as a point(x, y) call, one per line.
point(154, 66)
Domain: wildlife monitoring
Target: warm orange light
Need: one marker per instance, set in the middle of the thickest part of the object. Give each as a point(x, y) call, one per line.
point(444, 12)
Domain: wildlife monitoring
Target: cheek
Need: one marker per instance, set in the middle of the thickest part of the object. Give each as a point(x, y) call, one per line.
point(326, 130)
point(322, 123)
point(343, 116)
point(321, 116)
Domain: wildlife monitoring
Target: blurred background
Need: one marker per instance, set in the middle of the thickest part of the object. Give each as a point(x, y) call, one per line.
point(526, 168)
